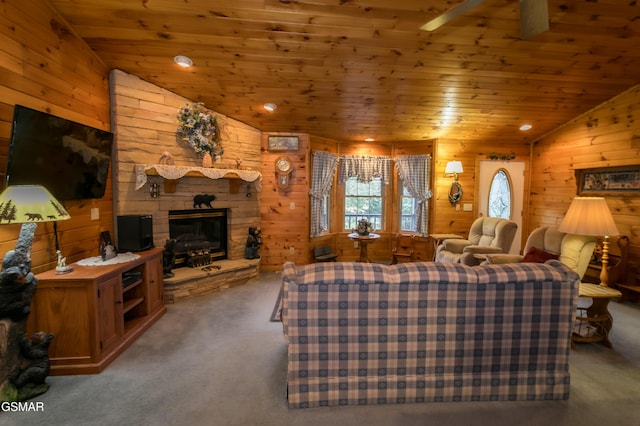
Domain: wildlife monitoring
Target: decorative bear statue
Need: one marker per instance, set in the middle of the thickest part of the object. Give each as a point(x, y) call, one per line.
point(254, 241)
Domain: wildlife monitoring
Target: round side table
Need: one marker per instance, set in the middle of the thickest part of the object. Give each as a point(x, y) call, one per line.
point(363, 242)
point(594, 323)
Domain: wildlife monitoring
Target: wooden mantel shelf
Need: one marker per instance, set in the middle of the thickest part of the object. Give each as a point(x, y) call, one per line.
point(172, 174)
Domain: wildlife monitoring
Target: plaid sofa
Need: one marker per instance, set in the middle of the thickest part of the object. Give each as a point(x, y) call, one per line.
point(376, 334)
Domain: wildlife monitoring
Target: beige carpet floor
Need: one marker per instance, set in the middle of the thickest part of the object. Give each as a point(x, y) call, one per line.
point(219, 360)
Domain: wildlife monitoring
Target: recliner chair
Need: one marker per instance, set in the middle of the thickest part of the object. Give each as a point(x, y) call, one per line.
point(487, 235)
point(573, 250)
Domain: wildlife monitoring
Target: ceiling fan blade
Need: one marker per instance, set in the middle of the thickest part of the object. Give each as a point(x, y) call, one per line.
point(534, 17)
point(452, 13)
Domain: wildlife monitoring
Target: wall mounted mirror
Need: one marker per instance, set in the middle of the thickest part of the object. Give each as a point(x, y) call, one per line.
point(455, 192)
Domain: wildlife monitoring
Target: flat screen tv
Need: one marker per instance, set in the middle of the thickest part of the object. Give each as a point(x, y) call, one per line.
point(70, 159)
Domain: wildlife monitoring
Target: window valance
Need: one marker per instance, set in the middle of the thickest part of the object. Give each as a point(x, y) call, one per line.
point(365, 168)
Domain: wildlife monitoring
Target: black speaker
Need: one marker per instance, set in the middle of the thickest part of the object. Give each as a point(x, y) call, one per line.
point(135, 233)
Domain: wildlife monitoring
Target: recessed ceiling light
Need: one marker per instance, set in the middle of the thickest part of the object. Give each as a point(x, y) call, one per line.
point(525, 127)
point(183, 61)
point(369, 139)
point(270, 106)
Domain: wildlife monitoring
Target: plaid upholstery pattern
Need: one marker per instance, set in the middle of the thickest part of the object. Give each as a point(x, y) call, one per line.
point(373, 334)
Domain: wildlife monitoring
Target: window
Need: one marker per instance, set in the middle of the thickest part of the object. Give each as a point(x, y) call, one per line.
point(500, 195)
point(322, 175)
point(324, 215)
point(408, 207)
point(363, 200)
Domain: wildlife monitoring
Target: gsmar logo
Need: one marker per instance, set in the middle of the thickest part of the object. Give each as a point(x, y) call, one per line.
point(21, 406)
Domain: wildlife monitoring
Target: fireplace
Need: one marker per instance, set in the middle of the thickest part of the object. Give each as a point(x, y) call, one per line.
point(201, 236)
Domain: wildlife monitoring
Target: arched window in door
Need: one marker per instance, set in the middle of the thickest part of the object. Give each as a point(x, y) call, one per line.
point(500, 197)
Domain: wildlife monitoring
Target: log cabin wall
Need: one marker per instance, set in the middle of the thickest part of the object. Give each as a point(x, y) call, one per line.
point(45, 66)
point(144, 119)
point(607, 136)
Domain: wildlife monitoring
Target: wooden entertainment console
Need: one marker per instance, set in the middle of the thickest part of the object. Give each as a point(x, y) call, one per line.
point(96, 312)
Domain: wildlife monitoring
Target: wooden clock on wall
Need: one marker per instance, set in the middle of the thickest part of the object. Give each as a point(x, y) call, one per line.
point(284, 168)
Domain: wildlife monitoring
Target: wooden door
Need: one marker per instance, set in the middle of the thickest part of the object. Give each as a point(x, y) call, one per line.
point(154, 283)
point(515, 171)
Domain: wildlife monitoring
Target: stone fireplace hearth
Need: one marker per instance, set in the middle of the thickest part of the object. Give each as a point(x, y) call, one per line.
point(193, 282)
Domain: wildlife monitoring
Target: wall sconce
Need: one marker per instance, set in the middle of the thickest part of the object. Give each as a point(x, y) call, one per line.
point(455, 192)
point(154, 190)
point(453, 168)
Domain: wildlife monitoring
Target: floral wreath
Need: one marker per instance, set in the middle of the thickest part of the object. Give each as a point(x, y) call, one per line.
point(198, 128)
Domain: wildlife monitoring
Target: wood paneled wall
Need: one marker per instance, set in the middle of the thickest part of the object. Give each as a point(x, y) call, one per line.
point(144, 119)
point(285, 212)
point(606, 136)
point(43, 65)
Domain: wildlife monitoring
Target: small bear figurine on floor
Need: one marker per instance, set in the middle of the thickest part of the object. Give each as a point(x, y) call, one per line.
point(168, 258)
point(35, 361)
point(254, 241)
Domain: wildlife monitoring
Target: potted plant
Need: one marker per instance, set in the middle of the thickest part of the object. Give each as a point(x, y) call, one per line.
point(364, 227)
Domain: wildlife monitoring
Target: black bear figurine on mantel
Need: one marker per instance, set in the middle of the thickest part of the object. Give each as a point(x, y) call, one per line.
point(205, 199)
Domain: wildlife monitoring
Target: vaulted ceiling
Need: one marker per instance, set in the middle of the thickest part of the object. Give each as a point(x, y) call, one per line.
point(351, 69)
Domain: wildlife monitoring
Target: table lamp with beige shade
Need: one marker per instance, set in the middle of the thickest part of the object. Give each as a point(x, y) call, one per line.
point(591, 216)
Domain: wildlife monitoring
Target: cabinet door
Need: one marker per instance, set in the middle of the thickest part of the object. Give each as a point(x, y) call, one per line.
point(65, 308)
point(110, 320)
point(154, 280)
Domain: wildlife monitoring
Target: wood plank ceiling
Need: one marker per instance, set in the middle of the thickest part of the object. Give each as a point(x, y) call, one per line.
point(351, 69)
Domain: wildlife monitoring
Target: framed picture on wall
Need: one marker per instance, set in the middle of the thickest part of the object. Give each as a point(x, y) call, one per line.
point(608, 180)
point(282, 143)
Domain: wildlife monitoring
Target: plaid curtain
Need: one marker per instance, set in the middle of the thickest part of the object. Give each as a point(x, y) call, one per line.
point(324, 167)
point(365, 168)
point(414, 170)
